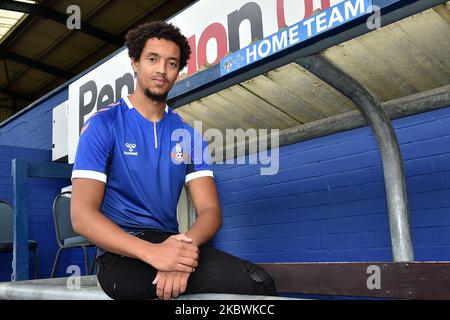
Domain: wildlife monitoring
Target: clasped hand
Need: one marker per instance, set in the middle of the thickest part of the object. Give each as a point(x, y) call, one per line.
point(171, 280)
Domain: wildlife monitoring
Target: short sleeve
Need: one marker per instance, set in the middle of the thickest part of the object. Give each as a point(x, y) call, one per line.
point(200, 159)
point(93, 150)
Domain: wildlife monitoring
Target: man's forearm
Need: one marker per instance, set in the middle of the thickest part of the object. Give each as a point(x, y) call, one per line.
point(206, 225)
point(104, 233)
point(170, 255)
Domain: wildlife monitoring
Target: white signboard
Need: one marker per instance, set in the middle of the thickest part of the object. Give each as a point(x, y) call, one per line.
point(100, 87)
point(214, 29)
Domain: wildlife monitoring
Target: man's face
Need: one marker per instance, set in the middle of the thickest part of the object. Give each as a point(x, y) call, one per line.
point(157, 68)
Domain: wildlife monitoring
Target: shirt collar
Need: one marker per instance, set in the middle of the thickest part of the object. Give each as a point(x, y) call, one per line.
point(130, 105)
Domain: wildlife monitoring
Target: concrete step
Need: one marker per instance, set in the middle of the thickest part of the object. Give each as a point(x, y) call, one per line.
point(89, 289)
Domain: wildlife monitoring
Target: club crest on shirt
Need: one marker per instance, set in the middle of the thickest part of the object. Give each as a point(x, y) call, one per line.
point(178, 156)
point(130, 149)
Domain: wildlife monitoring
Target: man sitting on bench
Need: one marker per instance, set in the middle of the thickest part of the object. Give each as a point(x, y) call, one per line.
point(132, 160)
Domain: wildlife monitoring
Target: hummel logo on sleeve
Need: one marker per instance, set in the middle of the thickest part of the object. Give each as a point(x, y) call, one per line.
point(130, 147)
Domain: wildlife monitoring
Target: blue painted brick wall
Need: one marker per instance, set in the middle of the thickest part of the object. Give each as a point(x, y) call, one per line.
point(33, 129)
point(41, 226)
point(328, 203)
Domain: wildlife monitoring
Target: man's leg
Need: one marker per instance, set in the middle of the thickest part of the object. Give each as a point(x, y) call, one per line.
point(218, 272)
point(124, 278)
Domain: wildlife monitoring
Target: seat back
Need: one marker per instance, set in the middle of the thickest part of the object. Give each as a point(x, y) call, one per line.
point(61, 217)
point(6, 222)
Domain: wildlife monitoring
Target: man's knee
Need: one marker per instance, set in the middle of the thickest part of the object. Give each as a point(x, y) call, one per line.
point(261, 280)
point(118, 290)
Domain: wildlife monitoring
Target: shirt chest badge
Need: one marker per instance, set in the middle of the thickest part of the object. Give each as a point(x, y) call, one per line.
point(130, 149)
point(178, 156)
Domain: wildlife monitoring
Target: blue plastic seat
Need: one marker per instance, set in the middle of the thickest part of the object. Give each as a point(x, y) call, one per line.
point(7, 234)
point(65, 235)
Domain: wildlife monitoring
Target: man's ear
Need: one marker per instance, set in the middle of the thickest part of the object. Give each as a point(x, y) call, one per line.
point(134, 65)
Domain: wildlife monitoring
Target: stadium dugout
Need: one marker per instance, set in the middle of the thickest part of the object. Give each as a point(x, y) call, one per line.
point(353, 68)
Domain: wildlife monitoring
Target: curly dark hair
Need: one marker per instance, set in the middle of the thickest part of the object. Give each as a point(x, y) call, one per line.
point(136, 39)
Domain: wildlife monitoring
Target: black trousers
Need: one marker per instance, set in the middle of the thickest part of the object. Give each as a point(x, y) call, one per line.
point(218, 272)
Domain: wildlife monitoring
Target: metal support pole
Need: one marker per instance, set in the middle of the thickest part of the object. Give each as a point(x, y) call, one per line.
point(20, 250)
point(392, 162)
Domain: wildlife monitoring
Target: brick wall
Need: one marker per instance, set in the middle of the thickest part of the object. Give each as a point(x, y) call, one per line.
point(33, 129)
point(327, 202)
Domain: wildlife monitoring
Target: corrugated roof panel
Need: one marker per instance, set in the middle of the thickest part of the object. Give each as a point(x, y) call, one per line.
point(406, 57)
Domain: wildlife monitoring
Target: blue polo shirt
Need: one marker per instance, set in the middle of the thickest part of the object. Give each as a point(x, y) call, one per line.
point(144, 164)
